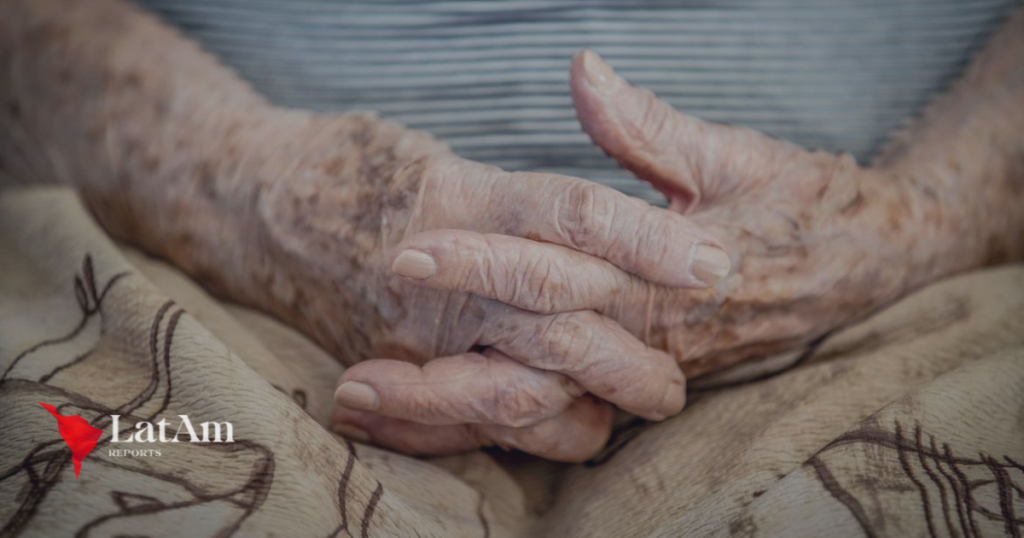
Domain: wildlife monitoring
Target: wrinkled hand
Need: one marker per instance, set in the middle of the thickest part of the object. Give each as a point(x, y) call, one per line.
point(816, 240)
point(504, 346)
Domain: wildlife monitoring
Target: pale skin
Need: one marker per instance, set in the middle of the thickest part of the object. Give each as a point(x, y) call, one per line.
point(530, 303)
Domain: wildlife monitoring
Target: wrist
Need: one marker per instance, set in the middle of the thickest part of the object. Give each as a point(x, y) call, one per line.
point(189, 201)
point(964, 153)
point(959, 213)
point(313, 206)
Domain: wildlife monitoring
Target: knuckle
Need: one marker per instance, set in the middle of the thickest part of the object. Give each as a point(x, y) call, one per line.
point(657, 232)
point(581, 214)
point(507, 275)
point(569, 340)
point(515, 402)
point(479, 267)
point(489, 270)
point(542, 285)
point(519, 407)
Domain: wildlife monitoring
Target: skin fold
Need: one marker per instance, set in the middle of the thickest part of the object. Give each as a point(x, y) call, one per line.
point(548, 298)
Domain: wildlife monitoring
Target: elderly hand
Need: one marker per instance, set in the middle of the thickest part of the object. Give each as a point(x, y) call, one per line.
point(302, 215)
point(816, 239)
point(523, 303)
point(474, 291)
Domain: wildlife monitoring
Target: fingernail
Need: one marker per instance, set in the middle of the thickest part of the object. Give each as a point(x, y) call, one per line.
point(709, 264)
point(414, 264)
point(351, 432)
point(599, 74)
point(356, 395)
point(673, 401)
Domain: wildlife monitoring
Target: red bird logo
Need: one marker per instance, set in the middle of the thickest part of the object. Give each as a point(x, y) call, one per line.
point(77, 433)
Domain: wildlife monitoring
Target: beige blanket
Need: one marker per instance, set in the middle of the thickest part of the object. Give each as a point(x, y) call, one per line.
point(909, 424)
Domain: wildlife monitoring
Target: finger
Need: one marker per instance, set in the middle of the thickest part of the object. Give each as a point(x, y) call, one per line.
point(488, 388)
point(658, 245)
point(575, 435)
point(688, 159)
point(534, 276)
point(597, 353)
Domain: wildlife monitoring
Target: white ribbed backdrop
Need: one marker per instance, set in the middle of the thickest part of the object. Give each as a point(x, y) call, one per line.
point(490, 77)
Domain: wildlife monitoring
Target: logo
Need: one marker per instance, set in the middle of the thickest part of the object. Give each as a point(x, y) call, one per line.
point(82, 438)
point(144, 433)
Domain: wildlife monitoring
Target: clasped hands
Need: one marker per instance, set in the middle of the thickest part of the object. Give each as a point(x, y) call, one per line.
point(515, 309)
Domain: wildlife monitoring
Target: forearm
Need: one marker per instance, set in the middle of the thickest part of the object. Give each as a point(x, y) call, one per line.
point(101, 95)
point(105, 98)
point(173, 152)
point(964, 160)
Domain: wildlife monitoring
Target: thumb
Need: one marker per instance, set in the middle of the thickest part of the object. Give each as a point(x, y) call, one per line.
point(689, 160)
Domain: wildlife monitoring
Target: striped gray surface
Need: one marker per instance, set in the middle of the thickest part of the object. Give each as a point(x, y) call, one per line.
point(490, 77)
